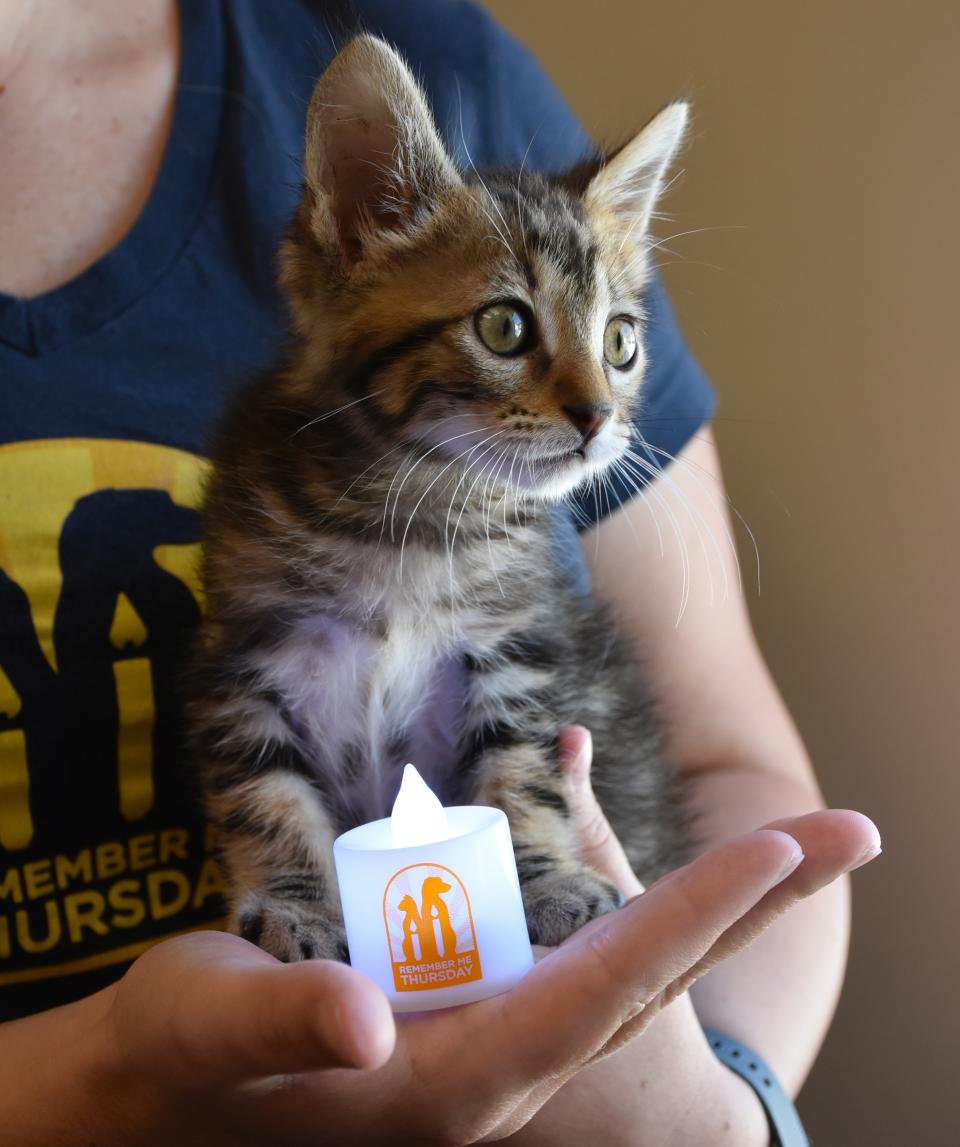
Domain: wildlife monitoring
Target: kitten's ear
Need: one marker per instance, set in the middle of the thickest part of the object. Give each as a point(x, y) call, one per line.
point(374, 160)
point(628, 185)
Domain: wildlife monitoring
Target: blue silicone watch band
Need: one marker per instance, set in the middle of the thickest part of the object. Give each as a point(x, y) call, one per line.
point(786, 1130)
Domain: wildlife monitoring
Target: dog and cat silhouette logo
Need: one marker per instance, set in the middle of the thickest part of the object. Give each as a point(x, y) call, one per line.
point(433, 943)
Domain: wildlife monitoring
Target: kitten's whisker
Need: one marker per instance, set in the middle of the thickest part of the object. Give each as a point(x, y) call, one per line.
point(650, 488)
point(693, 467)
point(333, 413)
point(686, 262)
point(463, 140)
point(523, 162)
point(446, 530)
point(492, 479)
point(422, 458)
point(696, 519)
point(598, 489)
point(430, 485)
point(578, 515)
point(693, 509)
point(606, 496)
point(466, 500)
point(497, 239)
point(646, 476)
point(656, 244)
point(628, 233)
point(668, 186)
point(637, 487)
point(508, 490)
point(633, 529)
point(386, 500)
point(392, 450)
point(495, 481)
point(446, 525)
point(367, 470)
point(376, 478)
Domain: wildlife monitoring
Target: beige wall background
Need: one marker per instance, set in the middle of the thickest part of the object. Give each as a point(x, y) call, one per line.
point(823, 300)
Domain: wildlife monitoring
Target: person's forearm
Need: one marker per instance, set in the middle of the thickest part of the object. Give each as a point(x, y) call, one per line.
point(733, 738)
point(630, 1100)
point(56, 1079)
point(779, 994)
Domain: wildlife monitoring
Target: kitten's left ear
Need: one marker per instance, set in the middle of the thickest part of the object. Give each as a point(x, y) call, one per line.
point(374, 160)
point(628, 185)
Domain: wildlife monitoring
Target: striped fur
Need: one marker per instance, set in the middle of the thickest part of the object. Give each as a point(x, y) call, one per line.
point(380, 577)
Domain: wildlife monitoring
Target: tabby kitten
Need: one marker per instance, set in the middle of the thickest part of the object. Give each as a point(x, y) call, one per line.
point(380, 578)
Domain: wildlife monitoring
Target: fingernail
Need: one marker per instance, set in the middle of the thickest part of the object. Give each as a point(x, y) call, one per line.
point(578, 771)
point(580, 766)
point(575, 766)
point(791, 865)
point(866, 856)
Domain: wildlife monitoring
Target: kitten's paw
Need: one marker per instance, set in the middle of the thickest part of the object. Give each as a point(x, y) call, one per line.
point(291, 930)
point(560, 903)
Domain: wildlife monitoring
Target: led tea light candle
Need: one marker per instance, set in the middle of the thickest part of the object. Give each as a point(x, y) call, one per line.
point(431, 901)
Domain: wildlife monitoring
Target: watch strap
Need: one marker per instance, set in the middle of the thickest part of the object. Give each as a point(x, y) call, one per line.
point(786, 1130)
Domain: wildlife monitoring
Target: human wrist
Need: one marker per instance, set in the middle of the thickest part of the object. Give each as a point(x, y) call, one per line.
point(721, 1108)
point(732, 1110)
point(777, 995)
point(664, 1087)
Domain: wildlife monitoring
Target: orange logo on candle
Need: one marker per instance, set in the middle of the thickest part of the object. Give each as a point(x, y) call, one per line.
point(433, 944)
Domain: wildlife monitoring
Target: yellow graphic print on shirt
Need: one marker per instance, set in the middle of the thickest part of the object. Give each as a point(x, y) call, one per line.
point(102, 850)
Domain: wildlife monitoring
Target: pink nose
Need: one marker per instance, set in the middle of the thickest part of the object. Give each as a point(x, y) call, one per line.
point(588, 417)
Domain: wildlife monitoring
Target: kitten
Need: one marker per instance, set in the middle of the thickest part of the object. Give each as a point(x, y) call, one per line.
point(381, 580)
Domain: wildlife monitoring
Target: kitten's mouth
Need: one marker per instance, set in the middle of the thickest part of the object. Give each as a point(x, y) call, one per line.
point(551, 461)
point(544, 472)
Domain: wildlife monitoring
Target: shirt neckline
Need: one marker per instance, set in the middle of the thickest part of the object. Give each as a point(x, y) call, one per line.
point(131, 268)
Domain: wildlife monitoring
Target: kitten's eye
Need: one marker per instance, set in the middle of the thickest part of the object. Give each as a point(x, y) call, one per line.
point(503, 328)
point(620, 343)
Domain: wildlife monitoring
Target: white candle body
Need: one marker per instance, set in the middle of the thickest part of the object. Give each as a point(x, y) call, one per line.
point(435, 924)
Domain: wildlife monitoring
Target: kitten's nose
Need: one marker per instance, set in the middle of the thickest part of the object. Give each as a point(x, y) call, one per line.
point(588, 417)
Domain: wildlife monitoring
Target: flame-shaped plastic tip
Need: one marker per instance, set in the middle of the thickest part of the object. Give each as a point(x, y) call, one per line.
point(417, 817)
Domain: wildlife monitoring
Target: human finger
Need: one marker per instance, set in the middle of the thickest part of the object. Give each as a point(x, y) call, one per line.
point(607, 974)
point(223, 1012)
point(834, 841)
point(599, 846)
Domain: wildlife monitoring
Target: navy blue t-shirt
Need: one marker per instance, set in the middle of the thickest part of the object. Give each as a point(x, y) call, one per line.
point(109, 386)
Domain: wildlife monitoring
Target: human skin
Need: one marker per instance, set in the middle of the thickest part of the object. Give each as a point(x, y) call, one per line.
point(733, 738)
point(79, 1071)
point(208, 1040)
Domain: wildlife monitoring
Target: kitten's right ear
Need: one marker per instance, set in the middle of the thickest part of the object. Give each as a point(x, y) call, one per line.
point(374, 161)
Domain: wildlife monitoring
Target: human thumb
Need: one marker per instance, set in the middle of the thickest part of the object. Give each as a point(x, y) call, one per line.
point(224, 1011)
point(599, 846)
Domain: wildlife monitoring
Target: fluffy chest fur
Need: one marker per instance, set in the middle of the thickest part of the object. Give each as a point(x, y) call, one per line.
point(379, 666)
point(366, 699)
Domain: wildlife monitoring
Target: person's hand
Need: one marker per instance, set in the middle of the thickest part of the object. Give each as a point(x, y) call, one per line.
point(216, 1042)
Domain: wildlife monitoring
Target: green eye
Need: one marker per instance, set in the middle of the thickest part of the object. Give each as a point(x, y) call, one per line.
point(620, 343)
point(502, 328)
